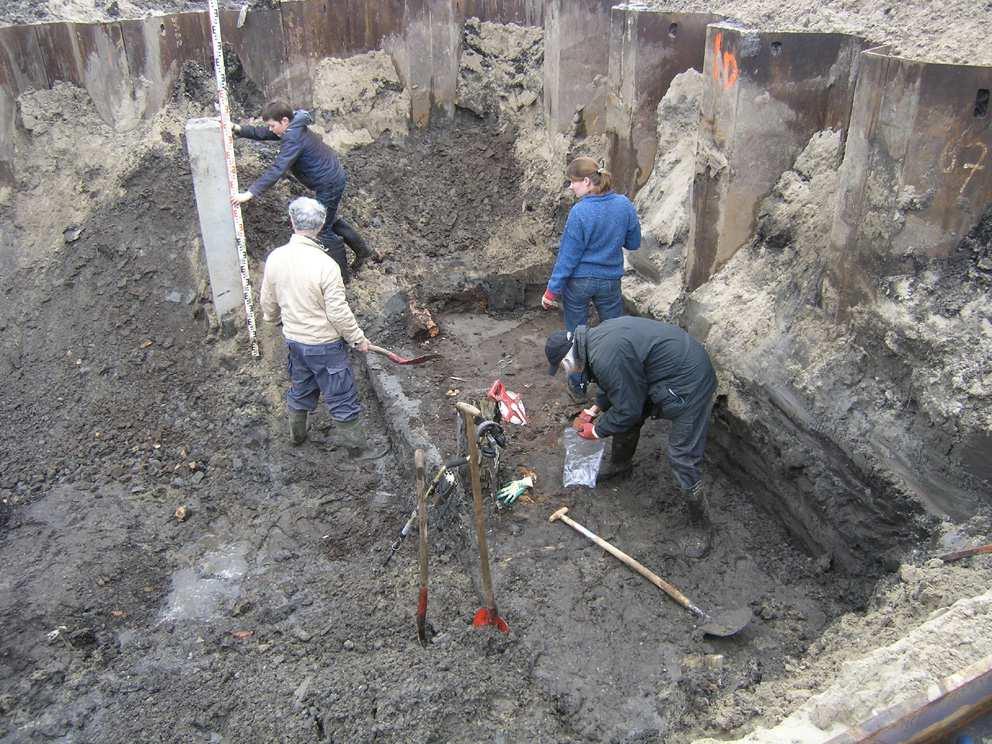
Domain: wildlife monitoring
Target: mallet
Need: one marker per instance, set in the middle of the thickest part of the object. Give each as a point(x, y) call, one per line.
point(722, 624)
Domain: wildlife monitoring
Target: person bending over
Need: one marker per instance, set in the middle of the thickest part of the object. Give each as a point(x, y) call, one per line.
point(645, 369)
point(316, 166)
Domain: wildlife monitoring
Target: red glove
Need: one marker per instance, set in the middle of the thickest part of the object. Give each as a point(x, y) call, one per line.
point(587, 430)
point(587, 416)
point(548, 300)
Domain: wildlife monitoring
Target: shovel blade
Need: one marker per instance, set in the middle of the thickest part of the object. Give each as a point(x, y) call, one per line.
point(725, 624)
point(486, 617)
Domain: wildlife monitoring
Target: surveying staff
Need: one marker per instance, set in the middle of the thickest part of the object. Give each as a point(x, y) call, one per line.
point(644, 368)
point(590, 257)
point(302, 287)
point(316, 166)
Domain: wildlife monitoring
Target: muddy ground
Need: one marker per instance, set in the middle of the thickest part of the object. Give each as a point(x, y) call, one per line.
point(266, 614)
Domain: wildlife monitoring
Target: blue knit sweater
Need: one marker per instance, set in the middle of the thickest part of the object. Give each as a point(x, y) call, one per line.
point(595, 231)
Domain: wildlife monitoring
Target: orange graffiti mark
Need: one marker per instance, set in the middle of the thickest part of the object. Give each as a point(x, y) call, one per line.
point(725, 69)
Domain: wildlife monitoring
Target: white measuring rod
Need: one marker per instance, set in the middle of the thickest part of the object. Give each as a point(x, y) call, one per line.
point(232, 172)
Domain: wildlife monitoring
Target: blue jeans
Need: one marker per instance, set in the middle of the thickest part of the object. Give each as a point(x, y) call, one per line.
point(603, 293)
point(579, 291)
point(322, 368)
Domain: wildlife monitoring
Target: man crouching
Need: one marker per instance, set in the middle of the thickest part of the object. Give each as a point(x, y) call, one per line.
point(302, 287)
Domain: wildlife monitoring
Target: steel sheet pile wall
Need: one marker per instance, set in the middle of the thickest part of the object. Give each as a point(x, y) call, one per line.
point(648, 48)
point(129, 67)
point(765, 95)
point(576, 62)
point(917, 174)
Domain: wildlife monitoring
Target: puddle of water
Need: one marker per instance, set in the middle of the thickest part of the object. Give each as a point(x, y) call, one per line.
point(200, 592)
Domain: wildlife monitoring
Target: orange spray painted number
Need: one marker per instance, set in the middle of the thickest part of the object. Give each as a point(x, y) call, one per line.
point(725, 69)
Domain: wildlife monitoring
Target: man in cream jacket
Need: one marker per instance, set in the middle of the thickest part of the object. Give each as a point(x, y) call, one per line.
point(302, 288)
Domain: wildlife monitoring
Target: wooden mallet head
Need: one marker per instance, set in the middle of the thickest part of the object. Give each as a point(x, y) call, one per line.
point(558, 514)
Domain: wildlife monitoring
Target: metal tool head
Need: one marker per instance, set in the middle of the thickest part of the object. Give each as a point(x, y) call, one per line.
point(558, 514)
point(726, 623)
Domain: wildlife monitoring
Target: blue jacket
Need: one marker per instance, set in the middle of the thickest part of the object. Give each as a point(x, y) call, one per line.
point(595, 231)
point(303, 153)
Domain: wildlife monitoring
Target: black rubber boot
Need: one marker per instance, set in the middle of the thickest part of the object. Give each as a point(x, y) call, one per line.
point(354, 241)
point(351, 435)
point(621, 455)
point(699, 537)
point(297, 426)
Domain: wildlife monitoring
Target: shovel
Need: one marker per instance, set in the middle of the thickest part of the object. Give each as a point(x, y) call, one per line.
point(397, 359)
point(418, 461)
point(722, 624)
point(487, 615)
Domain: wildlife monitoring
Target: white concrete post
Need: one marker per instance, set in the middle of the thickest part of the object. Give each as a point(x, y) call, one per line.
point(206, 157)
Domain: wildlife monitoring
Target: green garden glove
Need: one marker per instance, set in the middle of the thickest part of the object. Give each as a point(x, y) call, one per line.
point(508, 494)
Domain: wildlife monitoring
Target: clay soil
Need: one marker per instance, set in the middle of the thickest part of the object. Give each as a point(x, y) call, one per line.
point(265, 614)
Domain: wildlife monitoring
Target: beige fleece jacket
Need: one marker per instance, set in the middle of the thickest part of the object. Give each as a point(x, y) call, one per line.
point(302, 286)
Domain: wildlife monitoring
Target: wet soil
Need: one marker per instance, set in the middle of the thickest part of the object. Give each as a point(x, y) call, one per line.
point(623, 661)
point(266, 613)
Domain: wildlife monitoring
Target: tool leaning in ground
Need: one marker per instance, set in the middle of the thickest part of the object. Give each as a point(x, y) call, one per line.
point(397, 359)
point(722, 624)
point(418, 461)
point(487, 615)
point(966, 553)
point(439, 491)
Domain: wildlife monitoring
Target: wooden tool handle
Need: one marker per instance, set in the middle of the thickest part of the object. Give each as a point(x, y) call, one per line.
point(418, 460)
point(469, 412)
point(647, 573)
point(468, 409)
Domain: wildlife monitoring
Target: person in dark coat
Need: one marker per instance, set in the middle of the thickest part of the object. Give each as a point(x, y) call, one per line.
point(644, 369)
point(316, 166)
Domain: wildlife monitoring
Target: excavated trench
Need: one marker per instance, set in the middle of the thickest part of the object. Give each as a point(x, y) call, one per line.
point(267, 613)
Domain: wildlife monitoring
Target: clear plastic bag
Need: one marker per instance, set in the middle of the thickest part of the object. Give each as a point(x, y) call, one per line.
point(582, 459)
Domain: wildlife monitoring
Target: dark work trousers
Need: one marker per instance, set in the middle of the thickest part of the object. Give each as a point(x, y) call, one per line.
point(330, 197)
point(322, 368)
point(687, 439)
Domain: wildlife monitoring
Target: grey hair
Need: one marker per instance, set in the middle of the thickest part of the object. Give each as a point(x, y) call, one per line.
point(307, 214)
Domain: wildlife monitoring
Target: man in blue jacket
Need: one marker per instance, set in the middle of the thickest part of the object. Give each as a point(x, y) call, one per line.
point(645, 369)
point(316, 166)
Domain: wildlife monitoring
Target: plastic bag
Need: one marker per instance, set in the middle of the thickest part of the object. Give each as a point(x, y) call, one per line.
point(582, 459)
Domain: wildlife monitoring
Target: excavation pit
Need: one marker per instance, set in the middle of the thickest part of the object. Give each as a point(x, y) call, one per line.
point(619, 657)
point(265, 612)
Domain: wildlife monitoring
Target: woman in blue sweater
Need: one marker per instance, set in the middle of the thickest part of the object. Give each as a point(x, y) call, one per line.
point(590, 257)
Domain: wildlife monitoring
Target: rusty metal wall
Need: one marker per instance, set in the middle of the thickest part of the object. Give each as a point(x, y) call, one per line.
point(576, 63)
point(917, 171)
point(520, 12)
point(648, 48)
point(765, 95)
point(129, 67)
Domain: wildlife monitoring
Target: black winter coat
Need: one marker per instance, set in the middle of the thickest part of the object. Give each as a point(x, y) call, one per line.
point(303, 153)
point(640, 365)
